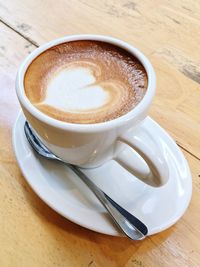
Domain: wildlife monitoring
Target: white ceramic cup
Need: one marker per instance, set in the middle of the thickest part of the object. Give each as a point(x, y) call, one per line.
point(90, 145)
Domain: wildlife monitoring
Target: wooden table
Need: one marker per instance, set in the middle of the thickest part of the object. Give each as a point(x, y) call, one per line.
point(31, 234)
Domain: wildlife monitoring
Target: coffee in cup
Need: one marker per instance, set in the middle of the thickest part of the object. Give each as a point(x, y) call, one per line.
point(85, 82)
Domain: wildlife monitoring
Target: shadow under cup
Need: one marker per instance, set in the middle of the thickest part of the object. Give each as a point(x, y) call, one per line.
point(91, 145)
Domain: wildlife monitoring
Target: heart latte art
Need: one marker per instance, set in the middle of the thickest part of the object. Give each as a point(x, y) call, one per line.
point(75, 88)
point(85, 82)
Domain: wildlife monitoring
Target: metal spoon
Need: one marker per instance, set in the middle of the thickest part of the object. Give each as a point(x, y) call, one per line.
point(129, 224)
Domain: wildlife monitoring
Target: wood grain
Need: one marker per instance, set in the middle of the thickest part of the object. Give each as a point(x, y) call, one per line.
point(31, 234)
point(164, 32)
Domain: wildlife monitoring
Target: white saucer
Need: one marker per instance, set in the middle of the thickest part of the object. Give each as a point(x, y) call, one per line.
point(55, 184)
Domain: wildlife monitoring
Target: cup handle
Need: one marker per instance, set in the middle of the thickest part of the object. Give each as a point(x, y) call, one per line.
point(147, 147)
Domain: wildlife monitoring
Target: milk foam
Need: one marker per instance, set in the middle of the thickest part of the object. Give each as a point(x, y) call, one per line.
point(74, 89)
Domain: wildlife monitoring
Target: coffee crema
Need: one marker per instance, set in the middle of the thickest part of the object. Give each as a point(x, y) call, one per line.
point(85, 82)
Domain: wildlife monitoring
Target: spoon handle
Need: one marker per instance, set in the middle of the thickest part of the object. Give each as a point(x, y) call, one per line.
point(128, 223)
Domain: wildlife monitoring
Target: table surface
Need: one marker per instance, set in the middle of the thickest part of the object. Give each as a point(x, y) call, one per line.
point(167, 32)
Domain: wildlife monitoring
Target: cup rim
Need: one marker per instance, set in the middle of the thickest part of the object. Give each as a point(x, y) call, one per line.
point(117, 122)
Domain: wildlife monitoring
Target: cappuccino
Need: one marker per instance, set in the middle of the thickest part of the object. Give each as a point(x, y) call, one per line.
point(85, 82)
